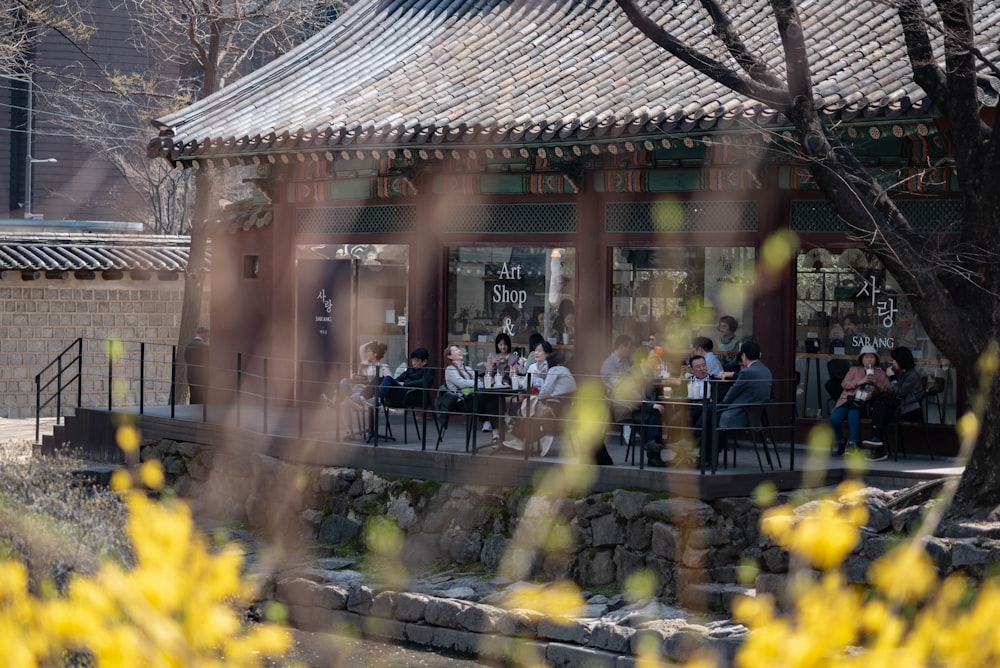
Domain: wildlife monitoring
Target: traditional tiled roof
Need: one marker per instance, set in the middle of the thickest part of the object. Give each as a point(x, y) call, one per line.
point(88, 252)
point(473, 73)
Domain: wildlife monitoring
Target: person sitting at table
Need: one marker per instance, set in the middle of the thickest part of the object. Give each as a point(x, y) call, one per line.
point(371, 370)
point(615, 368)
point(559, 381)
point(564, 324)
point(859, 387)
point(540, 366)
point(543, 405)
point(728, 345)
point(752, 386)
point(460, 378)
point(533, 340)
point(617, 363)
point(699, 376)
point(904, 402)
point(634, 402)
point(503, 359)
point(396, 392)
point(702, 346)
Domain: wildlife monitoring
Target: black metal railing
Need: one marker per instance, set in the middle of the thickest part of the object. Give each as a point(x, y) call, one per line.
point(62, 364)
point(319, 400)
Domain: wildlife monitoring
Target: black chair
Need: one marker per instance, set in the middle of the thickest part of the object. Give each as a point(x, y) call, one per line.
point(443, 415)
point(934, 391)
point(758, 426)
point(895, 428)
point(413, 400)
point(837, 369)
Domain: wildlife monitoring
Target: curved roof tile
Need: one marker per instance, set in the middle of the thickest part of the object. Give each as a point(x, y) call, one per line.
point(394, 72)
point(70, 252)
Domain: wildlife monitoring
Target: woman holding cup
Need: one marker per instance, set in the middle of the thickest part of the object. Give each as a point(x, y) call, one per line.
point(860, 385)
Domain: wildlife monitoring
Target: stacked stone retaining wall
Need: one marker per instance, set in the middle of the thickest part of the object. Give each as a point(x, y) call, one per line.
point(695, 549)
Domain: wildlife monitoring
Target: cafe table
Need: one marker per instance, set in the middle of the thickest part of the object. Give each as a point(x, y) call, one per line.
point(507, 396)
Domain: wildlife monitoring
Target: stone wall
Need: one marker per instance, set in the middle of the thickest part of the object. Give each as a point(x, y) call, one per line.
point(40, 318)
point(693, 548)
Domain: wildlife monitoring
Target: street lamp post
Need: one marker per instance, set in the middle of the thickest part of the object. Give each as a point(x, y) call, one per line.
point(28, 131)
point(28, 160)
point(27, 182)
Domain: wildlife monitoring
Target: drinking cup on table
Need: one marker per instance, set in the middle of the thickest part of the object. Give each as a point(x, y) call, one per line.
point(565, 338)
point(515, 382)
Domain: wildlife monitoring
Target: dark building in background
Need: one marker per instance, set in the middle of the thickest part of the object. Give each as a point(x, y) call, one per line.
point(81, 184)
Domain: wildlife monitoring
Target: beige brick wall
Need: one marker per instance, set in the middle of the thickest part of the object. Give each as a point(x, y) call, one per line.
point(39, 319)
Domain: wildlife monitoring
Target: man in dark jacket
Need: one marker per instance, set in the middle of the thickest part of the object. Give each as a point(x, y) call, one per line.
point(399, 392)
point(752, 386)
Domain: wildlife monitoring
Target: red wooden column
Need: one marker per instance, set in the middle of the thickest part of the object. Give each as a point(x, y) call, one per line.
point(593, 292)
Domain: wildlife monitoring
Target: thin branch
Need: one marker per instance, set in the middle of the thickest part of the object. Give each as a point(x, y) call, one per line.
point(722, 27)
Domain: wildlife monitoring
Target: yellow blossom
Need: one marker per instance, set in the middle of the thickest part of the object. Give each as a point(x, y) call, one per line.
point(559, 600)
point(906, 574)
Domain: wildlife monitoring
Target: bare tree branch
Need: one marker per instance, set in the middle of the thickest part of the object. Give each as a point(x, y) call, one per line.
point(774, 96)
point(722, 27)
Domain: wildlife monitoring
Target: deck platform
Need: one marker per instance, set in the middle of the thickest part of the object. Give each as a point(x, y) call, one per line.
point(311, 437)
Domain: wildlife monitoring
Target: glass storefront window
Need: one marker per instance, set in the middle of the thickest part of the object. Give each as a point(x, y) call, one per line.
point(676, 294)
point(846, 300)
point(517, 290)
point(369, 301)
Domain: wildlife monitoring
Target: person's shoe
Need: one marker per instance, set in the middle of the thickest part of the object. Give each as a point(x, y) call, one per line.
point(654, 460)
point(496, 436)
point(852, 446)
point(841, 448)
point(873, 442)
point(877, 455)
point(487, 426)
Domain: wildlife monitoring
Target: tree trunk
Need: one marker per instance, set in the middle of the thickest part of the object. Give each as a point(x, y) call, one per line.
point(980, 484)
point(195, 273)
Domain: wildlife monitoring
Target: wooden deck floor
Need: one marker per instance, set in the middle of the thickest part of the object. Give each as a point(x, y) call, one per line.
point(311, 437)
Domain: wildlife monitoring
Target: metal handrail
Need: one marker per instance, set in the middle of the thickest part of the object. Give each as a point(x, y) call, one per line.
point(60, 386)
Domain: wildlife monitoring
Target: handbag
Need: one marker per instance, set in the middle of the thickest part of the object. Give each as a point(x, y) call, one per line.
point(449, 401)
point(864, 406)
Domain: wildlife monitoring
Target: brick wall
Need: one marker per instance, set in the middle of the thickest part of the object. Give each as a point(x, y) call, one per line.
point(41, 318)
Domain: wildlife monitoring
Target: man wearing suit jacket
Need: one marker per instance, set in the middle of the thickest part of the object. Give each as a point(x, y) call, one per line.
point(752, 386)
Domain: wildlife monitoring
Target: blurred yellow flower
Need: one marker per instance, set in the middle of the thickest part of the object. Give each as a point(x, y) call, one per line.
point(178, 606)
point(905, 574)
point(559, 600)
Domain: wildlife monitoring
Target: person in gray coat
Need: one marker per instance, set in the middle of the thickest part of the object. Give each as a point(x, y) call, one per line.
point(752, 386)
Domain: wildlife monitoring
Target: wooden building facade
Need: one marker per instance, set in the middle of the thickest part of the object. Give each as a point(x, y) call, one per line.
point(439, 172)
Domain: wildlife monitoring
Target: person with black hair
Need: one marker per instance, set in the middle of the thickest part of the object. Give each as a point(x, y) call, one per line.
point(503, 359)
point(534, 340)
point(702, 346)
point(396, 392)
point(617, 364)
point(902, 404)
point(564, 324)
point(752, 386)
